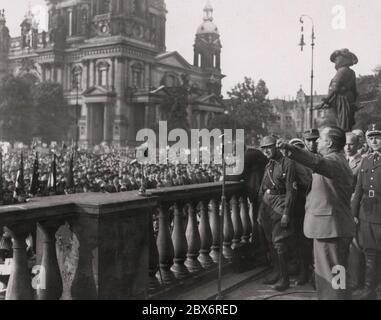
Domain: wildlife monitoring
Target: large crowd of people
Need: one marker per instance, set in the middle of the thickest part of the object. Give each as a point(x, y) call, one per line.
point(321, 190)
point(60, 171)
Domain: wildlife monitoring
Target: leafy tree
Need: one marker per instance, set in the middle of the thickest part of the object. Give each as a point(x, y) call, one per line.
point(369, 90)
point(249, 107)
point(29, 109)
point(16, 109)
point(51, 117)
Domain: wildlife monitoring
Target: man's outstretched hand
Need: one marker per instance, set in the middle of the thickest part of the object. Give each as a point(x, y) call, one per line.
point(281, 144)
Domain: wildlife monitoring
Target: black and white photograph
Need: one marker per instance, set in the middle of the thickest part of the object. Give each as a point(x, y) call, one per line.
point(179, 152)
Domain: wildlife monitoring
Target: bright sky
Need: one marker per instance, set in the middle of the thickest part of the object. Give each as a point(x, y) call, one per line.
point(260, 37)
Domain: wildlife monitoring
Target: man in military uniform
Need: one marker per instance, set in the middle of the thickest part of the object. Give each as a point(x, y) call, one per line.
point(366, 208)
point(277, 196)
point(310, 140)
point(303, 245)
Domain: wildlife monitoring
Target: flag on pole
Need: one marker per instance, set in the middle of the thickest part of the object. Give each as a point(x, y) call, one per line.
point(20, 184)
point(70, 173)
point(52, 181)
point(34, 183)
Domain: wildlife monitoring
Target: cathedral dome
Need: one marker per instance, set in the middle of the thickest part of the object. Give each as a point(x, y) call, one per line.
point(207, 27)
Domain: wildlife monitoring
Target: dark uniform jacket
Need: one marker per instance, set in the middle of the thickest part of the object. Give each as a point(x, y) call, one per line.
point(279, 180)
point(328, 212)
point(254, 165)
point(354, 164)
point(366, 203)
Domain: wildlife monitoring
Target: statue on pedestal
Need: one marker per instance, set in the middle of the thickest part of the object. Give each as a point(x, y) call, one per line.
point(343, 93)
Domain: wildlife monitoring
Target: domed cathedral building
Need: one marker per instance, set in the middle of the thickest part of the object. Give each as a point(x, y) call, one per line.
point(110, 57)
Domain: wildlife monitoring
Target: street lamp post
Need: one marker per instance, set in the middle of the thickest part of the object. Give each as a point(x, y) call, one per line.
point(302, 44)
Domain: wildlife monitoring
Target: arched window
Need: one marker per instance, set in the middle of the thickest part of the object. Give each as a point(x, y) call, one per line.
point(103, 70)
point(137, 75)
point(199, 60)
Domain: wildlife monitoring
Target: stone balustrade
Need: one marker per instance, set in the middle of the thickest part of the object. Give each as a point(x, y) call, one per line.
point(189, 230)
point(121, 245)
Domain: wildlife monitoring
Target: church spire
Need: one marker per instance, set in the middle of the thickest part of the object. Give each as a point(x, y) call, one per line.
point(208, 11)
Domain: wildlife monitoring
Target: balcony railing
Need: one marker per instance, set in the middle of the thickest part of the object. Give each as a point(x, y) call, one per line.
point(122, 245)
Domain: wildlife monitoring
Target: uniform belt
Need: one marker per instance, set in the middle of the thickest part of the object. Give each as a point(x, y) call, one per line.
point(274, 192)
point(371, 194)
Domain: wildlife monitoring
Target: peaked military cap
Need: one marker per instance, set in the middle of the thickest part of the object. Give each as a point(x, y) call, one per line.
point(297, 142)
point(268, 141)
point(311, 134)
point(374, 129)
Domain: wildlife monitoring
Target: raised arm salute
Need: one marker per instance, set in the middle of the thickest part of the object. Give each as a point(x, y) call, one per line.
point(328, 218)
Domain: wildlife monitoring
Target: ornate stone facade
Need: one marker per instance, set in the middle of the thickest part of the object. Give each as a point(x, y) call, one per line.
point(112, 54)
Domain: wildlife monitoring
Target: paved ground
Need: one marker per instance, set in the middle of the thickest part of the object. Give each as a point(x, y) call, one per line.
point(255, 290)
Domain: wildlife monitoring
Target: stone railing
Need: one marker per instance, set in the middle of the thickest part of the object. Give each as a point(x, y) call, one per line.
point(188, 230)
point(118, 246)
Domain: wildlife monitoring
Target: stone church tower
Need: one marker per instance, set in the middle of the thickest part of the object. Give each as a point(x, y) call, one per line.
point(110, 57)
point(207, 48)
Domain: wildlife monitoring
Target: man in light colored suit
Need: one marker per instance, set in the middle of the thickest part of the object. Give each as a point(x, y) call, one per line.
point(353, 156)
point(328, 220)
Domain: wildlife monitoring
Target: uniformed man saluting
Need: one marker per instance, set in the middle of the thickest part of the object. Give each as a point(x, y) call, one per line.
point(277, 196)
point(366, 208)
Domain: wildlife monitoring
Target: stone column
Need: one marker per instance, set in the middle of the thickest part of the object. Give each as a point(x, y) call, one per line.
point(83, 125)
point(92, 73)
point(112, 74)
point(198, 117)
point(147, 75)
point(107, 123)
point(89, 125)
point(146, 115)
point(85, 75)
point(70, 11)
point(157, 113)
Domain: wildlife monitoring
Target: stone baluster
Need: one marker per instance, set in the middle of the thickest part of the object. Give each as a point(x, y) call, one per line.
point(194, 241)
point(237, 223)
point(246, 222)
point(50, 284)
point(165, 247)
point(20, 281)
point(228, 232)
point(84, 286)
point(205, 235)
point(153, 256)
point(179, 243)
point(215, 229)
